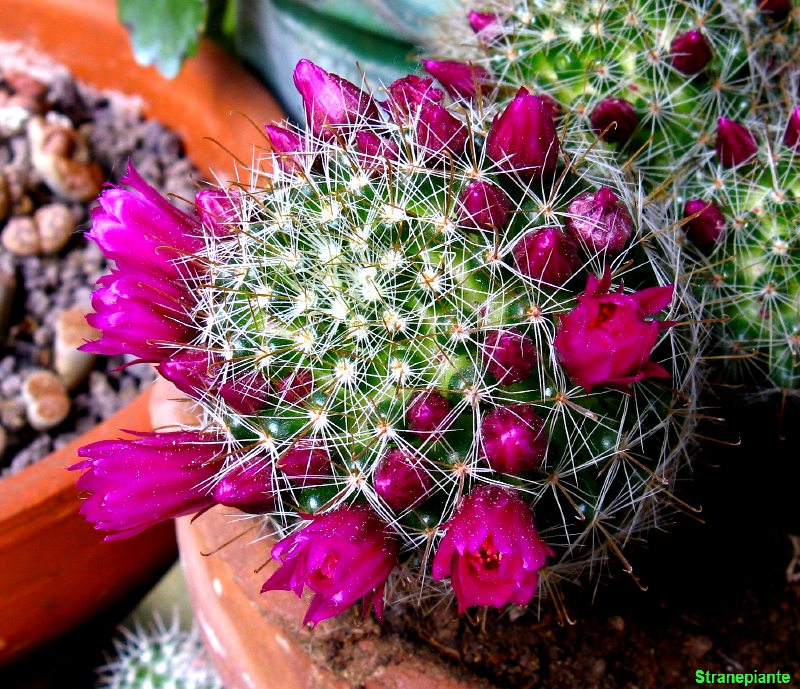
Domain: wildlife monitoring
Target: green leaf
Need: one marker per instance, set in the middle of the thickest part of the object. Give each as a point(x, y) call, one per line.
point(164, 32)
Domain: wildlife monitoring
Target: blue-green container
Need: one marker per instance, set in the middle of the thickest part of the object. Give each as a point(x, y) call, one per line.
point(377, 38)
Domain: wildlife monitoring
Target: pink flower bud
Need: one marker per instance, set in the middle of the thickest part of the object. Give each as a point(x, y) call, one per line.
point(401, 479)
point(707, 226)
point(216, 210)
point(600, 221)
point(690, 52)
point(513, 438)
point(735, 144)
point(134, 484)
point(491, 551)
point(484, 23)
point(196, 373)
point(438, 131)
point(607, 339)
point(306, 464)
point(522, 139)
point(375, 152)
point(509, 355)
point(406, 95)
point(341, 556)
point(484, 206)
point(792, 136)
point(775, 9)
point(427, 413)
point(248, 489)
point(331, 101)
point(615, 120)
point(547, 254)
point(459, 79)
point(295, 387)
point(288, 147)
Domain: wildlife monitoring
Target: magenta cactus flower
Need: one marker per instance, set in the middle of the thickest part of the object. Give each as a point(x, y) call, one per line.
point(614, 119)
point(607, 339)
point(514, 439)
point(706, 224)
point(523, 137)
point(735, 145)
point(331, 101)
point(438, 131)
point(492, 551)
point(130, 485)
point(600, 221)
point(427, 413)
point(791, 136)
point(248, 489)
point(195, 373)
point(342, 556)
point(509, 355)
point(306, 464)
point(459, 79)
point(690, 52)
point(548, 254)
point(137, 228)
point(139, 314)
point(484, 206)
point(401, 479)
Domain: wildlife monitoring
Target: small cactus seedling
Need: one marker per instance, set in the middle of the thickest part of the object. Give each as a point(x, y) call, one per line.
point(743, 221)
point(650, 77)
point(158, 657)
point(426, 320)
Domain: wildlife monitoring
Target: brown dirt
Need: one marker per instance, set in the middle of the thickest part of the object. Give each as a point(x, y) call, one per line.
point(718, 598)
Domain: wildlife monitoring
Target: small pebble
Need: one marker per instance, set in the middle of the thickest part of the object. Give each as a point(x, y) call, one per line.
point(616, 623)
point(46, 401)
point(72, 331)
point(56, 226)
point(21, 237)
point(60, 154)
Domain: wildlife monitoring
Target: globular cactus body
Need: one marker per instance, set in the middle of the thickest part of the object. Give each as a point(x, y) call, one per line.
point(651, 77)
point(388, 283)
point(422, 315)
point(748, 272)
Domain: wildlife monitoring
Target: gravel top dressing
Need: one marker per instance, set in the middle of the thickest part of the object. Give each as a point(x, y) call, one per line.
point(60, 141)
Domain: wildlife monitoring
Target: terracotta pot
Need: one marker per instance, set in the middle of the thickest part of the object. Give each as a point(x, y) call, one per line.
point(55, 571)
point(257, 641)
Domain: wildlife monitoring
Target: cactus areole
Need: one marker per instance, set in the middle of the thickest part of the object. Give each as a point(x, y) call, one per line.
point(381, 333)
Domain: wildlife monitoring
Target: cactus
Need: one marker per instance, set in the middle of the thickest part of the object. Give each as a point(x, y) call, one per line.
point(748, 270)
point(650, 76)
point(158, 657)
point(409, 322)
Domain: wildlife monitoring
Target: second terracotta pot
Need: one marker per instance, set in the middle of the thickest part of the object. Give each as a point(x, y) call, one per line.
point(257, 641)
